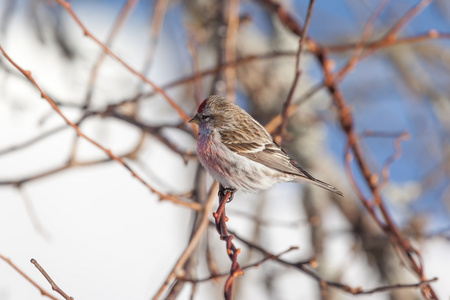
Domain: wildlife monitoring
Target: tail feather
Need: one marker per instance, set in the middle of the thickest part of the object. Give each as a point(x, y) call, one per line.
point(321, 184)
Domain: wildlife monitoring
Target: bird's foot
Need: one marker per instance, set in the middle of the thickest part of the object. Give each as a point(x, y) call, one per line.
point(223, 191)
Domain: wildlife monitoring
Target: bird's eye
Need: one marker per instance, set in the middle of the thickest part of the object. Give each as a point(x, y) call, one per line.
point(205, 118)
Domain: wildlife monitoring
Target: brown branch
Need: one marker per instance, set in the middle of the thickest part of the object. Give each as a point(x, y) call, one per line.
point(55, 287)
point(66, 5)
point(108, 152)
point(348, 158)
point(413, 12)
point(155, 131)
point(370, 48)
point(213, 71)
point(253, 265)
point(176, 199)
point(275, 122)
point(284, 114)
point(41, 290)
point(159, 12)
point(397, 286)
point(120, 21)
point(397, 153)
point(389, 39)
point(346, 120)
point(302, 266)
point(404, 247)
point(226, 195)
point(357, 51)
point(383, 43)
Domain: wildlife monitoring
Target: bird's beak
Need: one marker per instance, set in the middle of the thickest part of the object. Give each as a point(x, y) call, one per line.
point(195, 119)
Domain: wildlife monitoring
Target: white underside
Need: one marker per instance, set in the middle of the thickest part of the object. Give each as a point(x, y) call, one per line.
point(244, 174)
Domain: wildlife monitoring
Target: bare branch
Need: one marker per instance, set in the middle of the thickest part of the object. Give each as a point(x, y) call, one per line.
point(41, 290)
point(55, 287)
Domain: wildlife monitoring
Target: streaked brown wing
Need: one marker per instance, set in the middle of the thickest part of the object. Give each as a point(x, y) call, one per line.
point(270, 155)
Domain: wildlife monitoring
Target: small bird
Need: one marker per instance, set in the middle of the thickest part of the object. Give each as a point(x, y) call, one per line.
point(240, 154)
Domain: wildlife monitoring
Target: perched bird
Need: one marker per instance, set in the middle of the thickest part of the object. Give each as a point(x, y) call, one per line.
point(239, 153)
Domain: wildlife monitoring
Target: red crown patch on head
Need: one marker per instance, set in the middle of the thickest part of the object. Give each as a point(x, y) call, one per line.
point(201, 107)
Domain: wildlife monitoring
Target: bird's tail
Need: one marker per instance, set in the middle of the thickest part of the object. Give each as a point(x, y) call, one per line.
point(321, 184)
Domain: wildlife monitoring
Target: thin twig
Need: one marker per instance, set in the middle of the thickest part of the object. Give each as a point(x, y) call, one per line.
point(159, 13)
point(32, 140)
point(298, 72)
point(41, 290)
point(55, 287)
point(406, 250)
point(383, 43)
point(212, 71)
point(253, 265)
point(66, 5)
point(120, 21)
point(108, 152)
point(303, 266)
point(396, 155)
point(357, 51)
point(413, 12)
point(177, 268)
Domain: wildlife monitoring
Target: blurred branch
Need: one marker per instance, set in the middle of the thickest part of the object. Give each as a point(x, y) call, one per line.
point(253, 265)
point(32, 140)
point(406, 251)
point(284, 114)
point(105, 48)
point(156, 132)
point(8, 12)
point(159, 12)
point(383, 43)
point(413, 12)
point(176, 271)
point(199, 195)
point(32, 214)
point(396, 155)
point(120, 21)
point(212, 71)
point(302, 266)
point(230, 48)
point(357, 51)
point(106, 151)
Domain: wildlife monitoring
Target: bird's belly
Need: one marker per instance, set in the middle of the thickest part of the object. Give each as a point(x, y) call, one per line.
point(232, 170)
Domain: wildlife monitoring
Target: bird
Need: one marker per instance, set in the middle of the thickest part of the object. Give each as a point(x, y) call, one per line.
point(240, 154)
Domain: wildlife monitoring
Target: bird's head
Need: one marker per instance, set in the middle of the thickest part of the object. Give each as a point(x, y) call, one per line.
point(214, 114)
